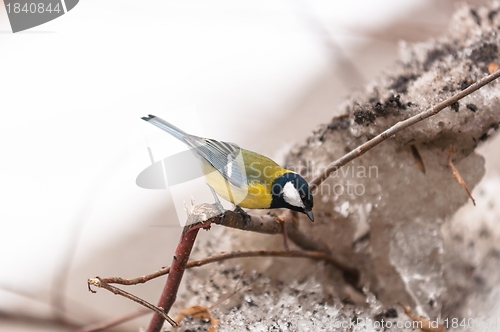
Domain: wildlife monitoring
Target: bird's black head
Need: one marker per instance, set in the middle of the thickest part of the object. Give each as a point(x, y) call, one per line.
point(291, 191)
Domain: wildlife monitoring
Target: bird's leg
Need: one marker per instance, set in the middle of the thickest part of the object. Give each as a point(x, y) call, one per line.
point(285, 235)
point(246, 216)
point(217, 201)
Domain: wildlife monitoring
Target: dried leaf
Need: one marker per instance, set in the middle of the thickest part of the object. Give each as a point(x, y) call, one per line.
point(492, 67)
point(458, 177)
point(425, 324)
point(418, 158)
point(198, 312)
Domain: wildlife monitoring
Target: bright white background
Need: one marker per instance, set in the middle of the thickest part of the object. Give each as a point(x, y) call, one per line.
point(73, 91)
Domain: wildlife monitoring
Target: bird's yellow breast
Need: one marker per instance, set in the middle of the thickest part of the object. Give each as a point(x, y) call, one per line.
point(260, 173)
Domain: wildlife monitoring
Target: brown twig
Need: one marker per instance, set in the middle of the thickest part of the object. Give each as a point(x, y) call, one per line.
point(62, 318)
point(269, 224)
point(97, 282)
point(37, 322)
point(458, 177)
point(102, 326)
point(363, 148)
point(264, 224)
point(169, 293)
point(227, 297)
point(350, 273)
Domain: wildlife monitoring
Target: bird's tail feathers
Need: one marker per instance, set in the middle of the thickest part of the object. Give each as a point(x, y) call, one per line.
point(168, 127)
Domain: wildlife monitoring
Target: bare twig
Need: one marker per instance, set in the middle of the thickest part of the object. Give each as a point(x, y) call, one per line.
point(37, 322)
point(363, 148)
point(97, 282)
point(269, 224)
point(458, 177)
point(418, 158)
point(265, 224)
point(62, 318)
point(169, 293)
point(102, 326)
point(227, 297)
point(350, 273)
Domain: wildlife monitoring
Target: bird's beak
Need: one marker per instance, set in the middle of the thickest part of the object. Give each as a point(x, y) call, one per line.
point(310, 215)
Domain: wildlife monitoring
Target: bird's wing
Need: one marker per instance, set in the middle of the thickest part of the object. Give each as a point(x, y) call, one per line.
point(223, 156)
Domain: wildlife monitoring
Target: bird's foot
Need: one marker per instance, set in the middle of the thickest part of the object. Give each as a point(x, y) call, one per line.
point(246, 216)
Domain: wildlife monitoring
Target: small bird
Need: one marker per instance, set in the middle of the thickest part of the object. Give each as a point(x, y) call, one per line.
point(242, 177)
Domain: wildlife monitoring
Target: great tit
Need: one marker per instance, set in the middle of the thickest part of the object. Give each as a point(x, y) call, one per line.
point(242, 177)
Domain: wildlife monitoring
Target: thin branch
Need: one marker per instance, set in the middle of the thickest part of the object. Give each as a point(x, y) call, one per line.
point(36, 321)
point(97, 282)
point(24, 294)
point(227, 297)
point(180, 263)
point(458, 177)
point(363, 148)
point(350, 273)
point(169, 293)
point(269, 224)
point(102, 326)
point(62, 317)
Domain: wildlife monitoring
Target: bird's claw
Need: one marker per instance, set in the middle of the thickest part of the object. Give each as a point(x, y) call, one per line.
point(246, 216)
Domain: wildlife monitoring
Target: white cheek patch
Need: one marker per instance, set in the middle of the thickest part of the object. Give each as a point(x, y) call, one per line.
point(292, 196)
